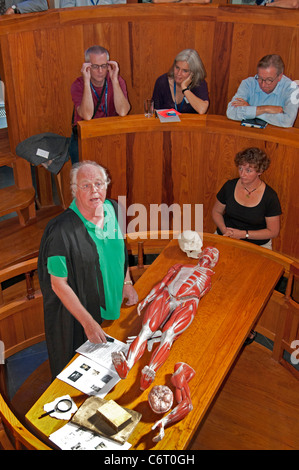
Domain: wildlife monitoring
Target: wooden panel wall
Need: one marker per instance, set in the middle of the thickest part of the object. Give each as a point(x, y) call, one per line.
point(42, 53)
point(188, 162)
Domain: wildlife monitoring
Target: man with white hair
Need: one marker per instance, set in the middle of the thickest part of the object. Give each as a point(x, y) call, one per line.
point(82, 267)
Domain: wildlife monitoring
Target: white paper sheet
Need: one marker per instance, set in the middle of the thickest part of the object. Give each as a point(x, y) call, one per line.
point(89, 377)
point(73, 437)
point(101, 353)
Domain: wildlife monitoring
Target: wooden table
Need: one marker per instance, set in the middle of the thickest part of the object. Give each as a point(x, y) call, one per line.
point(241, 287)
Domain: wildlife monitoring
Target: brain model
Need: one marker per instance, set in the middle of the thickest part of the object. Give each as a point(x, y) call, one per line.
point(160, 398)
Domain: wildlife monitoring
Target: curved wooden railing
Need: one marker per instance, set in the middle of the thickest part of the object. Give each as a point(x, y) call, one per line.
point(21, 307)
point(15, 436)
point(21, 325)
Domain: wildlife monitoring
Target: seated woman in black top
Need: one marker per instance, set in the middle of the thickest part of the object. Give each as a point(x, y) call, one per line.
point(247, 208)
point(183, 87)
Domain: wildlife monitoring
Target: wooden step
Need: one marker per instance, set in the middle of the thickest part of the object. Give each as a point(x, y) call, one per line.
point(21, 243)
point(13, 199)
point(7, 158)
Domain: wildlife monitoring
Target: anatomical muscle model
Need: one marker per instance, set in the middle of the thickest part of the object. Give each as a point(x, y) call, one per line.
point(171, 306)
point(183, 373)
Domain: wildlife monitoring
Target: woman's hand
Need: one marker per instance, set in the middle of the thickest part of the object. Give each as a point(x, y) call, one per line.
point(187, 82)
point(234, 233)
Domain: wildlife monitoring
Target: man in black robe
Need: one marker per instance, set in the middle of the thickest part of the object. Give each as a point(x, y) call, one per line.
point(78, 246)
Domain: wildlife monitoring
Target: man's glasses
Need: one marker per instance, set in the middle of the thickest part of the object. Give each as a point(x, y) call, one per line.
point(97, 67)
point(268, 81)
point(89, 186)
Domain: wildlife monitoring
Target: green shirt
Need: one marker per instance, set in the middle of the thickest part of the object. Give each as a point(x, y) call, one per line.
point(110, 246)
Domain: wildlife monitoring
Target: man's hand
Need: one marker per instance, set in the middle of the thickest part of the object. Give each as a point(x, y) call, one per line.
point(113, 69)
point(130, 294)
point(9, 11)
point(94, 332)
point(239, 102)
point(85, 70)
point(268, 109)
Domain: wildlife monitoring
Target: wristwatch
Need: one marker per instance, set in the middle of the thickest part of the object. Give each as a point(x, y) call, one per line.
point(128, 283)
point(247, 234)
point(15, 8)
point(185, 89)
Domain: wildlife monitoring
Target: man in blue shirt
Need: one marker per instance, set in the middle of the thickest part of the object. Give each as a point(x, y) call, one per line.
point(25, 6)
point(87, 3)
point(270, 95)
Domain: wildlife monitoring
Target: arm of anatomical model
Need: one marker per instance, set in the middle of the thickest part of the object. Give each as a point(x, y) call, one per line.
point(180, 378)
point(177, 414)
point(183, 373)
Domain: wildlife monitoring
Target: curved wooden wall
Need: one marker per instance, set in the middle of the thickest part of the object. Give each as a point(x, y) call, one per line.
point(187, 163)
point(42, 54)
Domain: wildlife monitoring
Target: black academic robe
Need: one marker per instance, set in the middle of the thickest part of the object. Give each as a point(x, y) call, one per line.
point(66, 235)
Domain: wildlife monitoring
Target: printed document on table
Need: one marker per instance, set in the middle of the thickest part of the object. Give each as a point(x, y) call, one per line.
point(73, 437)
point(89, 377)
point(101, 353)
point(93, 372)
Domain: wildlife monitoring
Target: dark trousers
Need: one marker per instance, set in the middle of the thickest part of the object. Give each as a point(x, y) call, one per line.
point(73, 148)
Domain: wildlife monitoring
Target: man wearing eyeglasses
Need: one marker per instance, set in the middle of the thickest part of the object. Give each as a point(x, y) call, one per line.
point(83, 267)
point(270, 95)
point(99, 92)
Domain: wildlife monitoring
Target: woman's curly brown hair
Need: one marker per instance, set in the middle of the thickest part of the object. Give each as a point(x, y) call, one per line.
point(255, 157)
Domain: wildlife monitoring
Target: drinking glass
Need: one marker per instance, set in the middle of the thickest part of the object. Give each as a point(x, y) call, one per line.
point(148, 108)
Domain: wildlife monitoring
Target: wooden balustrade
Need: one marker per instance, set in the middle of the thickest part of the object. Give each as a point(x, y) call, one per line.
point(21, 307)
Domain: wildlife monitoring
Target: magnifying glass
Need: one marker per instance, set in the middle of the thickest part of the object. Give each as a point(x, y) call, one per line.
point(62, 406)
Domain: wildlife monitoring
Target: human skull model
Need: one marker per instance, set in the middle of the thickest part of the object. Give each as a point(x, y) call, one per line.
point(191, 243)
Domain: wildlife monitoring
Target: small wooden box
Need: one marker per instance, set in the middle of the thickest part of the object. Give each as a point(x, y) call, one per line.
point(116, 416)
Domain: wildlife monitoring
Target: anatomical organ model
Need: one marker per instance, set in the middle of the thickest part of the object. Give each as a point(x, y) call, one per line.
point(171, 306)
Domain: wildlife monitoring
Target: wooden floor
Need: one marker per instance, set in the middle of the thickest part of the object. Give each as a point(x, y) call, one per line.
point(32, 389)
point(256, 409)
